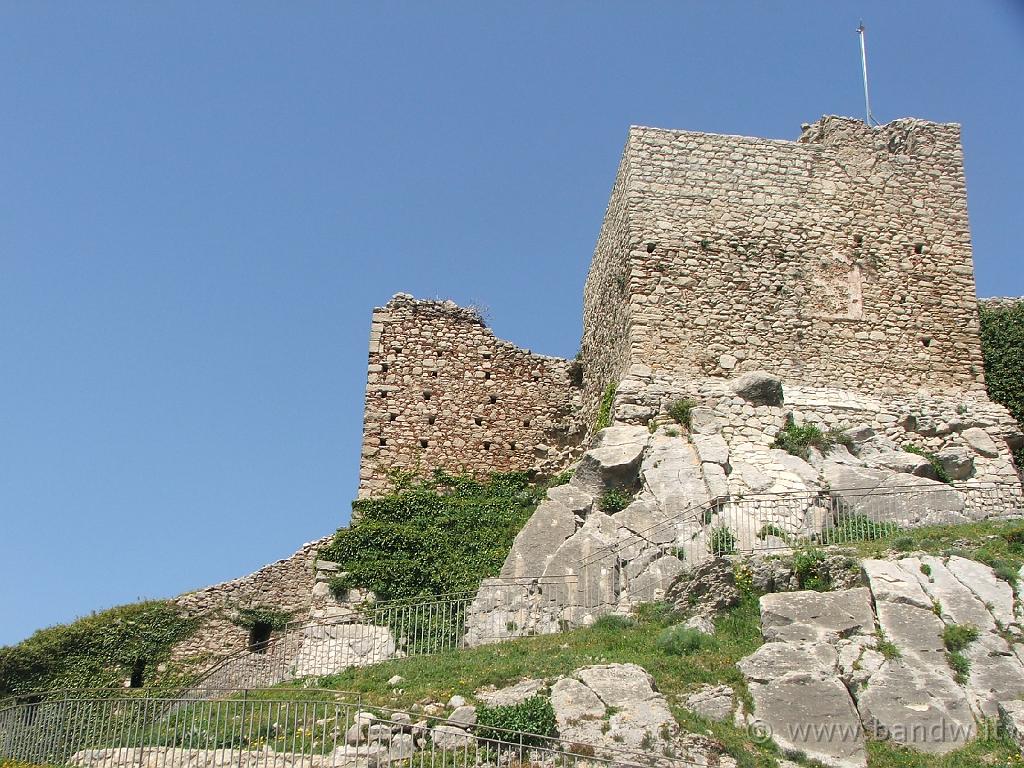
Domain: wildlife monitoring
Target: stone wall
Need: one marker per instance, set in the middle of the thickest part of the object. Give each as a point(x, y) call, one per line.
point(840, 260)
point(286, 585)
point(443, 392)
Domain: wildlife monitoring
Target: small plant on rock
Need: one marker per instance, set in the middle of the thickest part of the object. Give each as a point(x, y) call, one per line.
point(535, 716)
point(940, 471)
point(721, 541)
point(682, 411)
point(956, 638)
point(614, 500)
point(807, 564)
point(604, 410)
point(799, 440)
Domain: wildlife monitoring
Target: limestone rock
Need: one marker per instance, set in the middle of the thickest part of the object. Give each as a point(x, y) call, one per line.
point(464, 715)
point(450, 737)
point(712, 449)
point(671, 472)
point(700, 623)
point(773, 660)
point(577, 501)
point(512, 694)
point(1011, 718)
point(803, 709)
point(534, 546)
point(816, 616)
point(614, 464)
point(980, 442)
point(704, 421)
point(713, 702)
point(881, 494)
point(915, 705)
point(903, 461)
point(759, 388)
point(708, 588)
point(957, 461)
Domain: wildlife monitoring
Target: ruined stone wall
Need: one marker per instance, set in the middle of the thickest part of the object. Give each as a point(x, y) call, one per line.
point(840, 260)
point(286, 585)
point(443, 392)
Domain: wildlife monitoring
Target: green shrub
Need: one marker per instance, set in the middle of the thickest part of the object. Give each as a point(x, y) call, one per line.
point(682, 411)
point(807, 567)
point(682, 641)
point(960, 665)
point(604, 410)
point(613, 621)
point(903, 543)
point(721, 541)
point(98, 651)
point(886, 647)
point(956, 637)
point(1002, 348)
point(614, 500)
point(940, 471)
point(439, 536)
point(771, 529)
point(535, 715)
point(799, 440)
point(1005, 571)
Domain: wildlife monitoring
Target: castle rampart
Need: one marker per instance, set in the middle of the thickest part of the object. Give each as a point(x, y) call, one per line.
point(443, 392)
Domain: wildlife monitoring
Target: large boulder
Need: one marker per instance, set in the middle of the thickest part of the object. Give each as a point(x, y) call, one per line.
point(614, 463)
point(708, 588)
point(671, 472)
point(884, 495)
point(759, 388)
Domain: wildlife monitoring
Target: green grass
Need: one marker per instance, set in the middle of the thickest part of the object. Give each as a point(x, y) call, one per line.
point(440, 676)
point(994, 750)
point(681, 411)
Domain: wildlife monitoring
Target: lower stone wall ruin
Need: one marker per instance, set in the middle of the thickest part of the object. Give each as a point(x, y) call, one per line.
point(443, 392)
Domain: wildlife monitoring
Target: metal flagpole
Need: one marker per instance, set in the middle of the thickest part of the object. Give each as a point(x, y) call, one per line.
point(869, 118)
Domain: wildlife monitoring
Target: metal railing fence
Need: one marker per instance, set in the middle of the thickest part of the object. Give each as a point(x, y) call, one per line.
point(637, 567)
point(275, 729)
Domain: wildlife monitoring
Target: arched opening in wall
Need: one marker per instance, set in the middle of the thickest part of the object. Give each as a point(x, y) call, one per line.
point(493, 399)
point(487, 375)
point(383, 441)
point(424, 443)
point(526, 422)
point(383, 367)
point(478, 421)
point(926, 341)
point(259, 637)
point(431, 419)
point(427, 395)
point(138, 674)
point(919, 248)
point(487, 445)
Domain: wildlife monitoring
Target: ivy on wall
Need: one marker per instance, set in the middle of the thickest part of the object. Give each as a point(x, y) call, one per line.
point(102, 650)
point(432, 537)
point(1002, 346)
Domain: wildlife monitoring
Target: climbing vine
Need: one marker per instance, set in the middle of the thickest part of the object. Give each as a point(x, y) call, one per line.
point(101, 650)
point(1002, 347)
point(433, 536)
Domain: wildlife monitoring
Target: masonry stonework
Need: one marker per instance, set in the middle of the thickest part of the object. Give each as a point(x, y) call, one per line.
point(840, 260)
point(443, 392)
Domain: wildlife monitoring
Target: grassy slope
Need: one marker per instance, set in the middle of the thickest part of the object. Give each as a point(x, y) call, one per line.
point(438, 677)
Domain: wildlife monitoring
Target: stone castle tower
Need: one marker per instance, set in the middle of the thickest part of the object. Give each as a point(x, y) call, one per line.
point(839, 262)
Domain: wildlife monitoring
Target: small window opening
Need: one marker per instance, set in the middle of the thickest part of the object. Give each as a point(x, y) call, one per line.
point(382, 393)
point(858, 239)
point(493, 399)
point(487, 445)
point(487, 374)
point(138, 673)
point(512, 446)
point(485, 355)
point(431, 419)
point(478, 421)
point(926, 341)
point(526, 422)
point(383, 441)
point(536, 377)
point(426, 395)
point(392, 416)
point(433, 374)
point(919, 249)
point(259, 637)
point(424, 443)
point(650, 247)
point(383, 367)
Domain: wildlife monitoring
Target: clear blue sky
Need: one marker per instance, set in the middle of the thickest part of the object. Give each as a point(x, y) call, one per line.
point(200, 203)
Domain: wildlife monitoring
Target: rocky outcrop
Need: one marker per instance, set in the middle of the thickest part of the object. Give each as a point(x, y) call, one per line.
point(876, 660)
